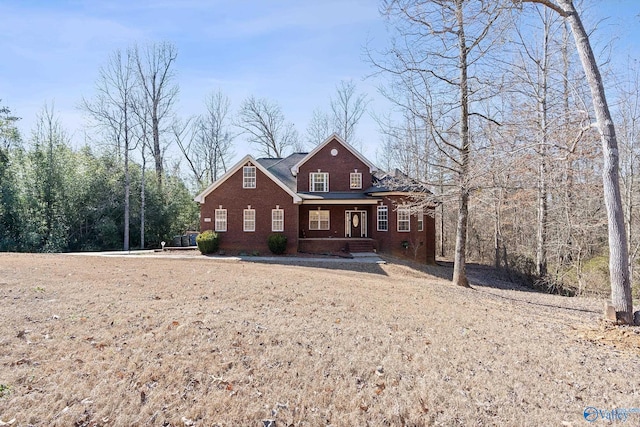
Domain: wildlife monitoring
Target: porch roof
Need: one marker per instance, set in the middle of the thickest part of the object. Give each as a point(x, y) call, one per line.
point(338, 198)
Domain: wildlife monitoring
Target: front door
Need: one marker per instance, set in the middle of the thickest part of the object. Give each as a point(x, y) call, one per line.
point(356, 224)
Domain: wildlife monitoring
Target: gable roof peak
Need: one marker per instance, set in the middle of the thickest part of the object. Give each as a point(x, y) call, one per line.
point(245, 160)
point(334, 137)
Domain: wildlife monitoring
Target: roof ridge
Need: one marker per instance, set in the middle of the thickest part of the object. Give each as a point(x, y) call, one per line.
point(282, 159)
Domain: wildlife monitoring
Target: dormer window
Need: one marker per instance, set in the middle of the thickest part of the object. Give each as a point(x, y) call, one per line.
point(355, 180)
point(319, 182)
point(249, 177)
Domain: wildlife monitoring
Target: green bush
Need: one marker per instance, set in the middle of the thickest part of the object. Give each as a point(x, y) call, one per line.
point(208, 242)
point(277, 243)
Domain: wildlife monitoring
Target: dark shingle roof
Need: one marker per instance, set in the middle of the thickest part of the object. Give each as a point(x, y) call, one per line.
point(268, 162)
point(383, 182)
point(396, 181)
point(281, 168)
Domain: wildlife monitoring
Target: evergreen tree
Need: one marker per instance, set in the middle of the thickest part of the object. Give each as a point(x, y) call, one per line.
point(9, 201)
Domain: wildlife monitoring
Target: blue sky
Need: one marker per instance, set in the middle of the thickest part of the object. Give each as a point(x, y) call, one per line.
point(291, 51)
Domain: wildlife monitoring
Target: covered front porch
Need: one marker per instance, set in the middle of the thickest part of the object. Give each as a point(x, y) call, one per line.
point(336, 217)
point(337, 223)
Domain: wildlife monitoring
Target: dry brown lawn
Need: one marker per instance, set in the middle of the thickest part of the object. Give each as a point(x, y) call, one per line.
point(132, 341)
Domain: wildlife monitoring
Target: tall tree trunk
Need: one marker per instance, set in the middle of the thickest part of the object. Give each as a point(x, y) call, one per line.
point(155, 78)
point(157, 152)
point(497, 227)
point(568, 173)
point(459, 261)
point(541, 235)
point(629, 216)
point(142, 197)
point(442, 239)
point(127, 188)
point(630, 190)
point(127, 179)
point(618, 249)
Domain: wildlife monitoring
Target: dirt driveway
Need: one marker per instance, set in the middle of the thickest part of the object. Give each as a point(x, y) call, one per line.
point(158, 341)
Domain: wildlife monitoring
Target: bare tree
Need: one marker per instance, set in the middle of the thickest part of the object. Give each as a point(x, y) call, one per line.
point(264, 124)
point(209, 145)
point(628, 121)
point(183, 137)
point(407, 145)
point(618, 246)
point(319, 127)
point(144, 143)
point(347, 107)
point(145, 147)
point(216, 135)
point(440, 42)
point(154, 65)
point(112, 109)
point(531, 74)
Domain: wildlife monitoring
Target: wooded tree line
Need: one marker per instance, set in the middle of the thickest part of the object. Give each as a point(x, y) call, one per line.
point(115, 191)
point(500, 107)
point(55, 198)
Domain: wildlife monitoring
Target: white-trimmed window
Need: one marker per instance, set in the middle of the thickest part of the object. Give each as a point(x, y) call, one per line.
point(249, 177)
point(355, 180)
point(277, 219)
point(249, 220)
point(404, 219)
point(420, 216)
point(220, 220)
point(318, 220)
point(319, 182)
point(383, 218)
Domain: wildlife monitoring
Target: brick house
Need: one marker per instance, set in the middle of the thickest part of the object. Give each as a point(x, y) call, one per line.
point(331, 199)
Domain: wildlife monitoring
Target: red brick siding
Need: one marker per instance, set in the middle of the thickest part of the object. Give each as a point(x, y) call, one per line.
point(339, 168)
point(391, 241)
point(430, 230)
point(323, 246)
point(263, 199)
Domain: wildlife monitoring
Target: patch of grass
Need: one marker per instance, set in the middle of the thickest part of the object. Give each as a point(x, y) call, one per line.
point(593, 280)
point(5, 390)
